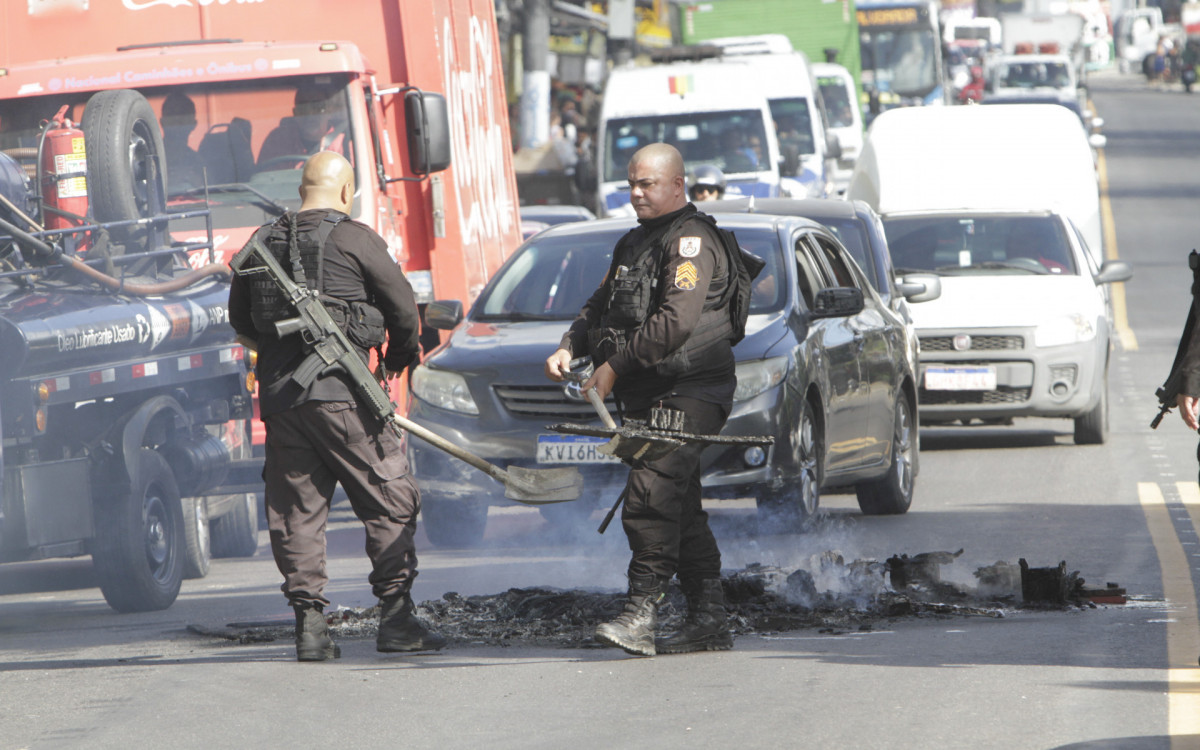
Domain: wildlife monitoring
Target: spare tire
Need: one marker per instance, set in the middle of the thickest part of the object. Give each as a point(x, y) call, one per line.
point(127, 174)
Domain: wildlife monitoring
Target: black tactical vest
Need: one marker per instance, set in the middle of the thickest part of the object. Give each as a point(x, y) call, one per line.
point(300, 253)
point(634, 295)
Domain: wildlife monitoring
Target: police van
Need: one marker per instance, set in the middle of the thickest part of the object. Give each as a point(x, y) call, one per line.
point(714, 111)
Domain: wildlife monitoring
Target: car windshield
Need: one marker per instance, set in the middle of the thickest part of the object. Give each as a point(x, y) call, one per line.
point(553, 275)
point(979, 245)
point(245, 139)
point(837, 101)
point(793, 124)
point(734, 141)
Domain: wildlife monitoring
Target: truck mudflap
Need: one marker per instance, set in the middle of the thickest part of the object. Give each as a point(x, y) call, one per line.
point(48, 510)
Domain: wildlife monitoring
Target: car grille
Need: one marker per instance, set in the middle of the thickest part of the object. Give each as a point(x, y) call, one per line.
point(544, 401)
point(952, 398)
point(978, 343)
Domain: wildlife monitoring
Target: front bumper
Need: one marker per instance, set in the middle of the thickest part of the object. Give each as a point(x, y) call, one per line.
point(1057, 381)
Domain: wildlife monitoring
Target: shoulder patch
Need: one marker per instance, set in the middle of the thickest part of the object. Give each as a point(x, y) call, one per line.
point(686, 276)
point(689, 247)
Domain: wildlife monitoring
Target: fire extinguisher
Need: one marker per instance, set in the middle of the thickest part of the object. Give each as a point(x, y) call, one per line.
point(63, 179)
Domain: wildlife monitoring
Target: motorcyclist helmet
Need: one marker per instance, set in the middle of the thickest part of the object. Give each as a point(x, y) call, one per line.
point(706, 183)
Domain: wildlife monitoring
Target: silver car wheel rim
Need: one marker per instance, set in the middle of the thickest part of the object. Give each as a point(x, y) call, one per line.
point(904, 448)
point(808, 465)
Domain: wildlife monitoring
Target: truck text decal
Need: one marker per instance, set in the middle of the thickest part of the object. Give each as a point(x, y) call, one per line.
point(485, 203)
point(135, 5)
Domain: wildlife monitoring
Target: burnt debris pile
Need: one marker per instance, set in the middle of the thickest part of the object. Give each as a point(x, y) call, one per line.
point(827, 594)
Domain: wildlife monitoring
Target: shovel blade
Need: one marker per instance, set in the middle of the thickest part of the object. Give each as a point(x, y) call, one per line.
point(542, 486)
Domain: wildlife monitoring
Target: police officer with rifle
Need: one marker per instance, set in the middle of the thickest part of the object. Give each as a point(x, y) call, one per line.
point(660, 330)
point(323, 428)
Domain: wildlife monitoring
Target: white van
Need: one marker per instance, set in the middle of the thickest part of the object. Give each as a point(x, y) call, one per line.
point(840, 98)
point(712, 110)
point(802, 121)
point(1006, 156)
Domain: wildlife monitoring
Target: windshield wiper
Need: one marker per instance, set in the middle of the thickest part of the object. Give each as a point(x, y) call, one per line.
point(237, 187)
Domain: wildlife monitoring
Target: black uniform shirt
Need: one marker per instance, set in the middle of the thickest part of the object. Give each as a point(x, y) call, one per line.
point(694, 269)
point(357, 268)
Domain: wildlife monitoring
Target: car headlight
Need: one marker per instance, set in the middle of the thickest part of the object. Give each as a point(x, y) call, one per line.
point(1071, 329)
point(445, 390)
point(757, 376)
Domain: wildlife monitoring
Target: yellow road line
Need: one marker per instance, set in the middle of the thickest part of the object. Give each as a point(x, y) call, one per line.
point(1183, 629)
point(1120, 311)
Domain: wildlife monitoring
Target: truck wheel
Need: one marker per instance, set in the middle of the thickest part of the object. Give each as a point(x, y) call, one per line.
point(197, 542)
point(235, 534)
point(453, 523)
point(139, 539)
point(1092, 428)
point(127, 174)
point(892, 494)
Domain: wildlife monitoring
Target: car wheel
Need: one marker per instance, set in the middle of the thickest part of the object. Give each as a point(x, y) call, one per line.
point(140, 540)
point(235, 534)
point(453, 523)
point(787, 508)
point(892, 494)
point(1092, 428)
point(197, 555)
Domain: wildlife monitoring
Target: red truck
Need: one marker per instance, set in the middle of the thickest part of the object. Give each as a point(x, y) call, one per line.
point(201, 111)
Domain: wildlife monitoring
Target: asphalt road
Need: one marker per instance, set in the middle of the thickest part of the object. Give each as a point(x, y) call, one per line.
point(74, 674)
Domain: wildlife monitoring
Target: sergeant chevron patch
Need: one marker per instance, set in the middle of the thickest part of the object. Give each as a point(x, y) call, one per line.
point(686, 276)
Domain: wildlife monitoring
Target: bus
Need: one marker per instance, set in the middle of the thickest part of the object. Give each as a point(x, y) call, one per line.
point(901, 51)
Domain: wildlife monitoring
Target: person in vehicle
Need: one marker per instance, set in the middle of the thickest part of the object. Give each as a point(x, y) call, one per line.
point(319, 435)
point(672, 350)
point(1041, 241)
point(738, 156)
point(185, 168)
point(707, 183)
point(316, 113)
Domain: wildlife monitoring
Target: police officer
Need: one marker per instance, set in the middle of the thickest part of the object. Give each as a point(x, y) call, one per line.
point(658, 332)
point(707, 184)
point(318, 434)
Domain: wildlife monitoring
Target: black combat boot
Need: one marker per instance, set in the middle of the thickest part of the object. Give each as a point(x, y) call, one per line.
point(633, 630)
point(400, 630)
point(312, 634)
point(705, 627)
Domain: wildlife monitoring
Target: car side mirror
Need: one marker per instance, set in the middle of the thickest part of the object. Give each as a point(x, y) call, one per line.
point(1112, 271)
point(428, 131)
point(838, 302)
point(919, 287)
point(833, 145)
point(444, 314)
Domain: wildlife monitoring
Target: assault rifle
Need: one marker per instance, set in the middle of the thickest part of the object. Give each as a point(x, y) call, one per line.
point(1169, 391)
point(326, 339)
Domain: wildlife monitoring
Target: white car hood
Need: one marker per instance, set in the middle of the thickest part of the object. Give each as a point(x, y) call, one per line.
point(997, 301)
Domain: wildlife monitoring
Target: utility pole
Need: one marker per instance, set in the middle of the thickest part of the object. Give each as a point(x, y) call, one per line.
point(535, 93)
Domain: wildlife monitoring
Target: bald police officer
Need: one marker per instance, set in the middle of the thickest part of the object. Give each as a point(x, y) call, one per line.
point(318, 434)
point(658, 330)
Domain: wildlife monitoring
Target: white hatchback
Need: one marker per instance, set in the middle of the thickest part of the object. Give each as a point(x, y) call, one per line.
point(1023, 326)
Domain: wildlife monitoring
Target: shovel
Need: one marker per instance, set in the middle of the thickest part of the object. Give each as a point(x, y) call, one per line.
point(528, 486)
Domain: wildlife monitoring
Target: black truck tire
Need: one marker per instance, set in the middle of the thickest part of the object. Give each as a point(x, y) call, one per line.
point(127, 173)
point(235, 534)
point(197, 540)
point(139, 544)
